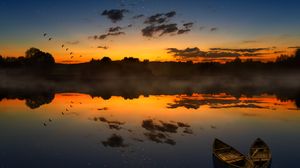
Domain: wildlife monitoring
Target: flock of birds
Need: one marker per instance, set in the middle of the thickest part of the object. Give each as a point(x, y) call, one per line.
point(67, 111)
point(63, 46)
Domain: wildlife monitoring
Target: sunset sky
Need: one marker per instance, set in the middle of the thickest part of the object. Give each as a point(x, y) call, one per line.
point(198, 30)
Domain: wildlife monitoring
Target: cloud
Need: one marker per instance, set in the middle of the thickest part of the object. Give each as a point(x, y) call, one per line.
point(187, 103)
point(115, 15)
point(187, 28)
point(158, 24)
point(182, 31)
point(197, 53)
point(151, 125)
point(254, 54)
point(249, 41)
point(103, 47)
point(214, 54)
point(72, 42)
point(104, 36)
point(222, 54)
point(201, 27)
point(115, 29)
point(188, 25)
point(215, 102)
point(187, 53)
point(243, 50)
point(117, 125)
point(160, 18)
point(159, 138)
point(170, 14)
point(214, 29)
point(151, 30)
point(162, 29)
point(251, 106)
point(159, 131)
point(112, 31)
point(138, 16)
point(279, 52)
point(115, 141)
point(294, 47)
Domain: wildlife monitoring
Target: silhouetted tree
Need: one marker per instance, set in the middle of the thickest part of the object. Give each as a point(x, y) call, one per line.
point(130, 60)
point(35, 101)
point(1, 60)
point(297, 56)
point(105, 60)
point(35, 56)
point(237, 60)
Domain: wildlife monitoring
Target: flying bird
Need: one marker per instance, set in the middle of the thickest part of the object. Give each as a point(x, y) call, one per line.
point(45, 34)
point(50, 120)
point(71, 53)
point(72, 57)
point(62, 46)
point(50, 39)
point(67, 49)
point(45, 124)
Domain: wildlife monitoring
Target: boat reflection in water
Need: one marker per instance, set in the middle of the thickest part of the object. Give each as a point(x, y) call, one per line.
point(225, 156)
point(260, 154)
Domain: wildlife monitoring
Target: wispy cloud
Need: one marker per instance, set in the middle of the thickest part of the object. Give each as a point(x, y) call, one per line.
point(215, 53)
point(73, 42)
point(159, 25)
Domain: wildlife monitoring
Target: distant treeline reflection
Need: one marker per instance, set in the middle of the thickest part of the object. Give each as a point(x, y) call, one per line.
point(38, 94)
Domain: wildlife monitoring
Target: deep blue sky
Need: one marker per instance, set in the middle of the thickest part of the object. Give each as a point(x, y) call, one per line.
point(272, 22)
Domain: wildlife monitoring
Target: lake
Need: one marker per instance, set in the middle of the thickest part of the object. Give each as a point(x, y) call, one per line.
point(79, 130)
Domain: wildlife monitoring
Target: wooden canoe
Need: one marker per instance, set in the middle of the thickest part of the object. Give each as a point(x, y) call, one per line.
point(226, 156)
point(260, 154)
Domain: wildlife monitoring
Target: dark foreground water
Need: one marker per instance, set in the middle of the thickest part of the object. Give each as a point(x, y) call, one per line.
point(77, 130)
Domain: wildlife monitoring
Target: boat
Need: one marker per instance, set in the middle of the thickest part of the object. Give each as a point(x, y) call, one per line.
point(260, 154)
point(225, 156)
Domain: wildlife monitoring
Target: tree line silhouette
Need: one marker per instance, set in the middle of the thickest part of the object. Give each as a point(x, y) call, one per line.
point(42, 64)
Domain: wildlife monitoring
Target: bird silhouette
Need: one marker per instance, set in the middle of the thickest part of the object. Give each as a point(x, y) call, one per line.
point(62, 113)
point(72, 57)
point(50, 120)
point(67, 49)
point(67, 110)
point(50, 39)
point(71, 53)
point(45, 124)
point(62, 46)
point(45, 34)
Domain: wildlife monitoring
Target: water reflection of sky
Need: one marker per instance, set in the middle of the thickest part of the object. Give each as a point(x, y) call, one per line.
point(76, 130)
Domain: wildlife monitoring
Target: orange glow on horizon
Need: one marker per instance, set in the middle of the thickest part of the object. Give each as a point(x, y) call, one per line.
point(86, 107)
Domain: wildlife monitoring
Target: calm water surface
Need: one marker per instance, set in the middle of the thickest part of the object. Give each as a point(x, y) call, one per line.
point(76, 130)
